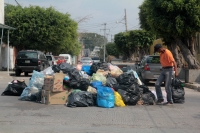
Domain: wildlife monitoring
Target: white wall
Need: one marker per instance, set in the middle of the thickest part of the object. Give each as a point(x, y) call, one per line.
point(4, 57)
point(2, 22)
point(4, 50)
point(2, 11)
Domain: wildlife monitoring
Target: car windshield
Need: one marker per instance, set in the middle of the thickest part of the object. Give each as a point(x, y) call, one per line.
point(49, 57)
point(153, 59)
point(27, 55)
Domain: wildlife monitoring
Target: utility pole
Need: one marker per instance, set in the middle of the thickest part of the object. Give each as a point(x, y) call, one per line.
point(107, 38)
point(104, 51)
point(111, 38)
point(125, 18)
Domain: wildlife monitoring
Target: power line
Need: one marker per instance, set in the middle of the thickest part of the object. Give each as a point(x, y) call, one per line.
point(101, 23)
point(104, 53)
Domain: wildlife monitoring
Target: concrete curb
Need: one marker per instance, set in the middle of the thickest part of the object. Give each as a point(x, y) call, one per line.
point(193, 86)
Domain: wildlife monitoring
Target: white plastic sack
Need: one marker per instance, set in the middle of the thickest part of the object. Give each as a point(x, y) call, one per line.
point(48, 71)
point(163, 93)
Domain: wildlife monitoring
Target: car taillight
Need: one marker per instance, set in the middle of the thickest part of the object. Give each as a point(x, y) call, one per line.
point(39, 62)
point(91, 62)
point(146, 67)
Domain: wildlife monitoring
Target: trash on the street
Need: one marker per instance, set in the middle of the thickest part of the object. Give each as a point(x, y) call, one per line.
point(101, 84)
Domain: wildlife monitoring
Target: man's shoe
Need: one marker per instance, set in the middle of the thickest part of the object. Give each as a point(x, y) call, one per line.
point(168, 103)
point(160, 102)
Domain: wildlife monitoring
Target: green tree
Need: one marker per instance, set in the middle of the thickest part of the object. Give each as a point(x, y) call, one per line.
point(141, 40)
point(90, 40)
point(176, 21)
point(111, 49)
point(44, 29)
point(135, 41)
point(121, 40)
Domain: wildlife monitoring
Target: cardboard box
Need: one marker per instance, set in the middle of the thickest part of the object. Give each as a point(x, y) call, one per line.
point(49, 97)
point(54, 83)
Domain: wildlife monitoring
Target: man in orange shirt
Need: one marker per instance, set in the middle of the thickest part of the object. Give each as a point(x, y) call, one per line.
point(168, 64)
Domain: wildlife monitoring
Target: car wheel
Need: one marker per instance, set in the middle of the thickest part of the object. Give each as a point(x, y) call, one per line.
point(17, 72)
point(26, 73)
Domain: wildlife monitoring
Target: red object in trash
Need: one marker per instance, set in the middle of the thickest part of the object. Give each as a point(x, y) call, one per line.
point(60, 59)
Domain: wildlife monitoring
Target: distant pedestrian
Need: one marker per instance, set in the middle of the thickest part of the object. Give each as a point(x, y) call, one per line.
point(168, 65)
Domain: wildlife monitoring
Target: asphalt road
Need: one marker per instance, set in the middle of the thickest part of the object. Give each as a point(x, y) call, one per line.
point(18, 116)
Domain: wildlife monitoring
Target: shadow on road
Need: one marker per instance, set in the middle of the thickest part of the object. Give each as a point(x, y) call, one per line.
point(22, 75)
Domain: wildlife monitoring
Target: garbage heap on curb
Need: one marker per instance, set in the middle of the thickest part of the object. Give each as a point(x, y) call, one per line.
point(101, 84)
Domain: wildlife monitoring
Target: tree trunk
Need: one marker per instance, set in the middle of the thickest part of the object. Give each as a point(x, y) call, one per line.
point(131, 55)
point(189, 58)
point(176, 54)
point(142, 53)
point(191, 46)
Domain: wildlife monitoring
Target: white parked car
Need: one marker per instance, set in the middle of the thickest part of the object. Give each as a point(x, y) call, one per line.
point(51, 59)
point(68, 58)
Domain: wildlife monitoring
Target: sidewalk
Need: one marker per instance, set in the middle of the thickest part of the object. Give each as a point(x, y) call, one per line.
point(6, 75)
point(194, 85)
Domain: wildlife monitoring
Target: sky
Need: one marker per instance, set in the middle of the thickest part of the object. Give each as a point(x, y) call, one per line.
point(96, 12)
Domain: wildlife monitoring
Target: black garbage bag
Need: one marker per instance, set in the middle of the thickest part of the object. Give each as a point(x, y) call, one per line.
point(99, 65)
point(126, 79)
point(178, 92)
point(56, 68)
point(94, 67)
point(125, 95)
point(84, 84)
point(133, 89)
point(15, 88)
point(148, 98)
point(75, 74)
point(134, 94)
point(103, 66)
point(143, 89)
point(81, 84)
point(74, 83)
point(122, 87)
point(80, 99)
point(65, 67)
point(110, 81)
point(133, 99)
point(94, 98)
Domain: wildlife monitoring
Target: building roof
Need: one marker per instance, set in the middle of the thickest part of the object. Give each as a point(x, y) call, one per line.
point(3, 26)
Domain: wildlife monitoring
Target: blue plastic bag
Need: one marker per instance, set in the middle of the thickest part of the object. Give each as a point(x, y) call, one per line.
point(34, 89)
point(87, 70)
point(105, 97)
point(95, 84)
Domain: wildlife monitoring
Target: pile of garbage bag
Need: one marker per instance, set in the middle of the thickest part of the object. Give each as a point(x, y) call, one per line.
point(101, 84)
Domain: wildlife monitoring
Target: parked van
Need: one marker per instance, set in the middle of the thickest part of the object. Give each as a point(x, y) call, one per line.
point(68, 58)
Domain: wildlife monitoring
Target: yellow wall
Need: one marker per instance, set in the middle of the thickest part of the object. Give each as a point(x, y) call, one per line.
point(198, 57)
point(154, 43)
